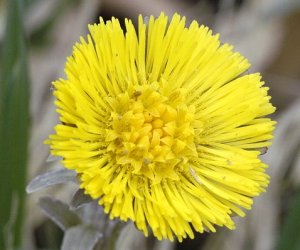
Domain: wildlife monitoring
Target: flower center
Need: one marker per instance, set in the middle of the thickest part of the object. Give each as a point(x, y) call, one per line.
point(150, 133)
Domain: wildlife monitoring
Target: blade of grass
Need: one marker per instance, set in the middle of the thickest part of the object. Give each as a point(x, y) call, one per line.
point(289, 238)
point(14, 127)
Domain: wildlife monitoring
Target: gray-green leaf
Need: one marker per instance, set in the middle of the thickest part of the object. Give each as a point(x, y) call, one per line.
point(58, 212)
point(79, 199)
point(130, 238)
point(51, 178)
point(81, 237)
point(52, 158)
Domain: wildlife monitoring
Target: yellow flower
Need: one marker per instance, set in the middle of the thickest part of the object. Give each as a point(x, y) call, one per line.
point(162, 126)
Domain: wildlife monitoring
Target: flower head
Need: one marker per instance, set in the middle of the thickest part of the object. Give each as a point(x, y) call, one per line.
point(162, 127)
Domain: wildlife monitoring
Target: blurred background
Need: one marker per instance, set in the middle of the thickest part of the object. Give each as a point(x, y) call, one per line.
point(36, 36)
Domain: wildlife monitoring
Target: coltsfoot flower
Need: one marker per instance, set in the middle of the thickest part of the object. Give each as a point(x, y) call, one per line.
point(162, 126)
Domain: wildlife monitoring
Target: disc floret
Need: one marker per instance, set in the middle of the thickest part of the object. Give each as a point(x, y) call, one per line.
point(151, 134)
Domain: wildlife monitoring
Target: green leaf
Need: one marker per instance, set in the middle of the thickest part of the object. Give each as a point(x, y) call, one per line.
point(289, 238)
point(14, 126)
